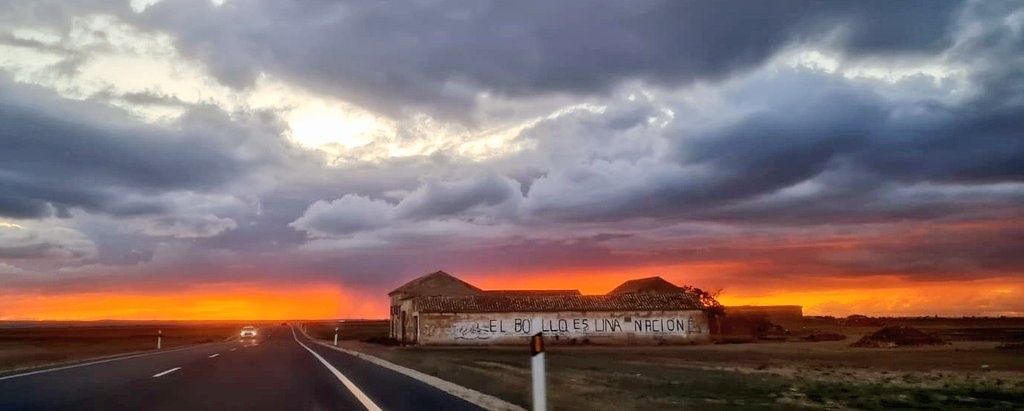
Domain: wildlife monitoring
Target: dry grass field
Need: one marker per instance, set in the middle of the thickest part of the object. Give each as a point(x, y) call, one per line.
point(349, 330)
point(30, 346)
point(971, 372)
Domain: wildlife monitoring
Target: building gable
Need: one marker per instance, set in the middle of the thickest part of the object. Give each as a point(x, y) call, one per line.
point(436, 283)
point(649, 285)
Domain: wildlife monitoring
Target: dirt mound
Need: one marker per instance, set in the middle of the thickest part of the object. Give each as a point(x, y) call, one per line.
point(815, 337)
point(857, 320)
point(897, 337)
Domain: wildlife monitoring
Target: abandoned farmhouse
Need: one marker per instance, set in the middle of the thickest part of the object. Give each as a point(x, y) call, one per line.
point(439, 308)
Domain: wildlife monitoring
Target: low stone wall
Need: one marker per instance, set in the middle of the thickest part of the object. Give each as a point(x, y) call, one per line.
point(635, 327)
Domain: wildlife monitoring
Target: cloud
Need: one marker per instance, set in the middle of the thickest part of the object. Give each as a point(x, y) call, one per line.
point(444, 198)
point(345, 215)
point(193, 227)
point(7, 269)
point(795, 151)
point(193, 215)
point(818, 140)
point(60, 155)
point(438, 57)
point(486, 196)
point(44, 242)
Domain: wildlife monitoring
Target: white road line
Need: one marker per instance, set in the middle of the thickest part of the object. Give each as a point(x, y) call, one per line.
point(487, 402)
point(213, 355)
point(94, 363)
point(166, 372)
point(233, 349)
point(341, 377)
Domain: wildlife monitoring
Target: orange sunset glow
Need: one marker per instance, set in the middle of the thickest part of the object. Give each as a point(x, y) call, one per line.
point(875, 295)
point(881, 296)
point(223, 302)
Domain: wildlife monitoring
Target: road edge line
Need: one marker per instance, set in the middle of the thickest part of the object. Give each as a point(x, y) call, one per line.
point(470, 395)
point(358, 393)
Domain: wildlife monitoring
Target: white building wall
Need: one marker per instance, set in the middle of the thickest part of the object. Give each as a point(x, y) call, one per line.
point(627, 327)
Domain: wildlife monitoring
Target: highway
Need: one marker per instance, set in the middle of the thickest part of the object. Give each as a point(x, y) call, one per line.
point(280, 370)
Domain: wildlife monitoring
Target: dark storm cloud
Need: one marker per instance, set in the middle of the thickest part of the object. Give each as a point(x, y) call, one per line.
point(794, 138)
point(856, 151)
point(435, 56)
point(55, 13)
point(823, 131)
point(486, 195)
point(439, 198)
point(25, 251)
point(772, 155)
point(58, 154)
point(938, 254)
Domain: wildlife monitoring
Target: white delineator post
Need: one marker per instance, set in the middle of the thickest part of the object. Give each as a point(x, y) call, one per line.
point(335, 336)
point(540, 395)
point(159, 338)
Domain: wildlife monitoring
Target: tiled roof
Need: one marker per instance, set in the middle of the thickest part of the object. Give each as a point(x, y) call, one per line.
point(532, 292)
point(436, 283)
point(486, 303)
point(656, 285)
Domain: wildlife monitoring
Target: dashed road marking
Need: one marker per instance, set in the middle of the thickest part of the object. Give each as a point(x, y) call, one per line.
point(341, 377)
point(212, 356)
point(161, 374)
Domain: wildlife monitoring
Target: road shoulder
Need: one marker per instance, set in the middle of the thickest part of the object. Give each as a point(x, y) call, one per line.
point(475, 397)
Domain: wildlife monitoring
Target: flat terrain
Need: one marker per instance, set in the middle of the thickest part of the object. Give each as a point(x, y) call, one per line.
point(358, 330)
point(30, 346)
point(970, 372)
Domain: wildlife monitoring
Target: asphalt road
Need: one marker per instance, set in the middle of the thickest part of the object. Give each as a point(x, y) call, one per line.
point(280, 370)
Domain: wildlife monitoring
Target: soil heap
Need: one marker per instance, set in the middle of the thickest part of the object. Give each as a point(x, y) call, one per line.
point(897, 336)
point(823, 336)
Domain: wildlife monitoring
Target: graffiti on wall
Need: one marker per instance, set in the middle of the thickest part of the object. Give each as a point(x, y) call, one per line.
point(484, 329)
point(473, 331)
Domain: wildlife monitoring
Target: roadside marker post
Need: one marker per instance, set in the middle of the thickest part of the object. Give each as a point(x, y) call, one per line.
point(540, 396)
point(335, 336)
point(159, 338)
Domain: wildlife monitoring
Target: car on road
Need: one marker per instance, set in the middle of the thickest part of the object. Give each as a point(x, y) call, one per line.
point(248, 332)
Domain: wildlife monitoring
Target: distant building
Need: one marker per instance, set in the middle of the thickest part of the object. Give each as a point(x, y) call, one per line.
point(759, 321)
point(439, 308)
point(774, 313)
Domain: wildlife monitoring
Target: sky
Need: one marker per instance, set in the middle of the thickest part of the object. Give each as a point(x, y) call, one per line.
point(198, 159)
